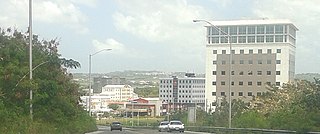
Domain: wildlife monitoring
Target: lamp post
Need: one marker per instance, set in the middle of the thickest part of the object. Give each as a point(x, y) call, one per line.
point(90, 57)
point(230, 61)
point(30, 55)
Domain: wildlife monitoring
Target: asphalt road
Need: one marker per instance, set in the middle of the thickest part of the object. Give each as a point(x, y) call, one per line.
point(106, 130)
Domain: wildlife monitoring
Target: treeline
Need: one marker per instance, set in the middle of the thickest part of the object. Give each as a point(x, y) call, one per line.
point(55, 95)
point(295, 106)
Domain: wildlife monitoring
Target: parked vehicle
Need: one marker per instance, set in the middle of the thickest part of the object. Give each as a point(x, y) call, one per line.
point(175, 126)
point(116, 126)
point(163, 126)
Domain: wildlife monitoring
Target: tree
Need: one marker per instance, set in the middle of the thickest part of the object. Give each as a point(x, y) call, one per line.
point(55, 95)
point(113, 106)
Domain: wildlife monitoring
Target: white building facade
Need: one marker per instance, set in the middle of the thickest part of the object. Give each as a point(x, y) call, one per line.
point(118, 92)
point(182, 92)
point(263, 53)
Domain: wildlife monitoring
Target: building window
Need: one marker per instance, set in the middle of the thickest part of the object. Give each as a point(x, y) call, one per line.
point(224, 51)
point(215, 40)
point(241, 73)
point(278, 29)
point(278, 50)
point(249, 93)
point(268, 72)
point(214, 51)
point(259, 61)
point(277, 83)
point(223, 94)
point(278, 38)
point(251, 39)
point(268, 83)
point(232, 83)
point(269, 51)
point(233, 51)
point(270, 29)
point(268, 61)
point(234, 39)
point(250, 51)
point(214, 72)
point(214, 83)
point(259, 73)
point(242, 39)
point(250, 73)
point(223, 62)
point(223, 83)
point(258, 93)
point(241, 51)
point(251, 29)
point(277, 72)
point(250, 61)
point(278, 61)
point(242, 30)
point(259, 51)
point(214, 31)
point(260, 29)
point(241, 83)
point(224, 39)
point(241, 61)
point(269, 38)
point(213, 93)
point(214, 62)
point(232, 93)
point(250, 83)
point(223, 72)
point(259, 83)
point(240, 93)
point(260, 39)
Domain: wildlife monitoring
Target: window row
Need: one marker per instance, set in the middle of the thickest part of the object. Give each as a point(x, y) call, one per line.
point(183, 91)
point(183, 81)
point(248, 39)
point(250, 62)
point(239, 94)
point(247, 73)
point(250, 51)
point(183, 86)
point(252, 29)
point(187, 101)
point(241, 83)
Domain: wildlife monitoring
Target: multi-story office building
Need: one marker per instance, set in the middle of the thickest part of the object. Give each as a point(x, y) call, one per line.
point(263, 53)
point(118, 92)
point(179, 93)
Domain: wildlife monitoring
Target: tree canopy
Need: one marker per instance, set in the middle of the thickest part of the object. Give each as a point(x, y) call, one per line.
point(55, 95)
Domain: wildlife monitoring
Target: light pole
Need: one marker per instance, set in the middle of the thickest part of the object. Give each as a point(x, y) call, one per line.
point(230, 61)
point(30, 55)
point(90, 57)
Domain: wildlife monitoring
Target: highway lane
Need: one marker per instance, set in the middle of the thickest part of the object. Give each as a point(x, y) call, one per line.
point(106, 130)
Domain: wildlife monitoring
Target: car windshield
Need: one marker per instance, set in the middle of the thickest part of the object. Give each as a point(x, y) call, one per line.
point(164, 123)
point(116, 123)
point(175, 123)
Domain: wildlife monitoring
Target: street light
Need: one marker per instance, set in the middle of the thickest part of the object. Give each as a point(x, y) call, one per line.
point(230, 60)
point(30, 56)
point(90, 57)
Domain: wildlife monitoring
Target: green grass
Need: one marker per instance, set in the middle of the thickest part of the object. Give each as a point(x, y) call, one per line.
point(142, 121)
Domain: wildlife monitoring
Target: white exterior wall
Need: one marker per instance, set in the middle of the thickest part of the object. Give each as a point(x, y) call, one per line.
point(118, 92)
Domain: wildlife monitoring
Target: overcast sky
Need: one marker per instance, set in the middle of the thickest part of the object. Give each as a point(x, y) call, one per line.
point(155, 34)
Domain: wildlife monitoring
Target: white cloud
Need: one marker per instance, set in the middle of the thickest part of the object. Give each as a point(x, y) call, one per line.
point(62, 12)
point(109, 43)
point(305, 14)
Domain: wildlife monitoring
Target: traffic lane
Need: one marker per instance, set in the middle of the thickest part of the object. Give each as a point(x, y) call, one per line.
point(106, 130)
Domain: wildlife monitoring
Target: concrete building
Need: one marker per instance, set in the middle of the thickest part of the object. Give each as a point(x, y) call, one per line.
point(118, 92)
point(179, 93)
point(99, 82)
point(263, 53)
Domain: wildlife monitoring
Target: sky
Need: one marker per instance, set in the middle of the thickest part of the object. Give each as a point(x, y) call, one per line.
point(154, 34)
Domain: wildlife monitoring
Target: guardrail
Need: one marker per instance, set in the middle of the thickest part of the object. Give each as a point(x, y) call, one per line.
point(223, 130)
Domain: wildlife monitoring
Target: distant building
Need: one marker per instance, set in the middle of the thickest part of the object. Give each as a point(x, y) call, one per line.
point(263, 53)
point(99, 82)
point(179, 93)
point(118, 92)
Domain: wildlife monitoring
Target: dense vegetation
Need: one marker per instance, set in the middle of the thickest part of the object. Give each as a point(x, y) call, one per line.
point(147, 91)
point(55, 95)
point(295, 106)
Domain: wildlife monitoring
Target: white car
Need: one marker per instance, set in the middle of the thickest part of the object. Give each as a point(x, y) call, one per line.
point(175, 126)
point(163, 126)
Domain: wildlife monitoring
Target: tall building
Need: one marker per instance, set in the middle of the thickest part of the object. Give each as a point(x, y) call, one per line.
point(118, 92)
point(263, 53)
point(179, 93)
